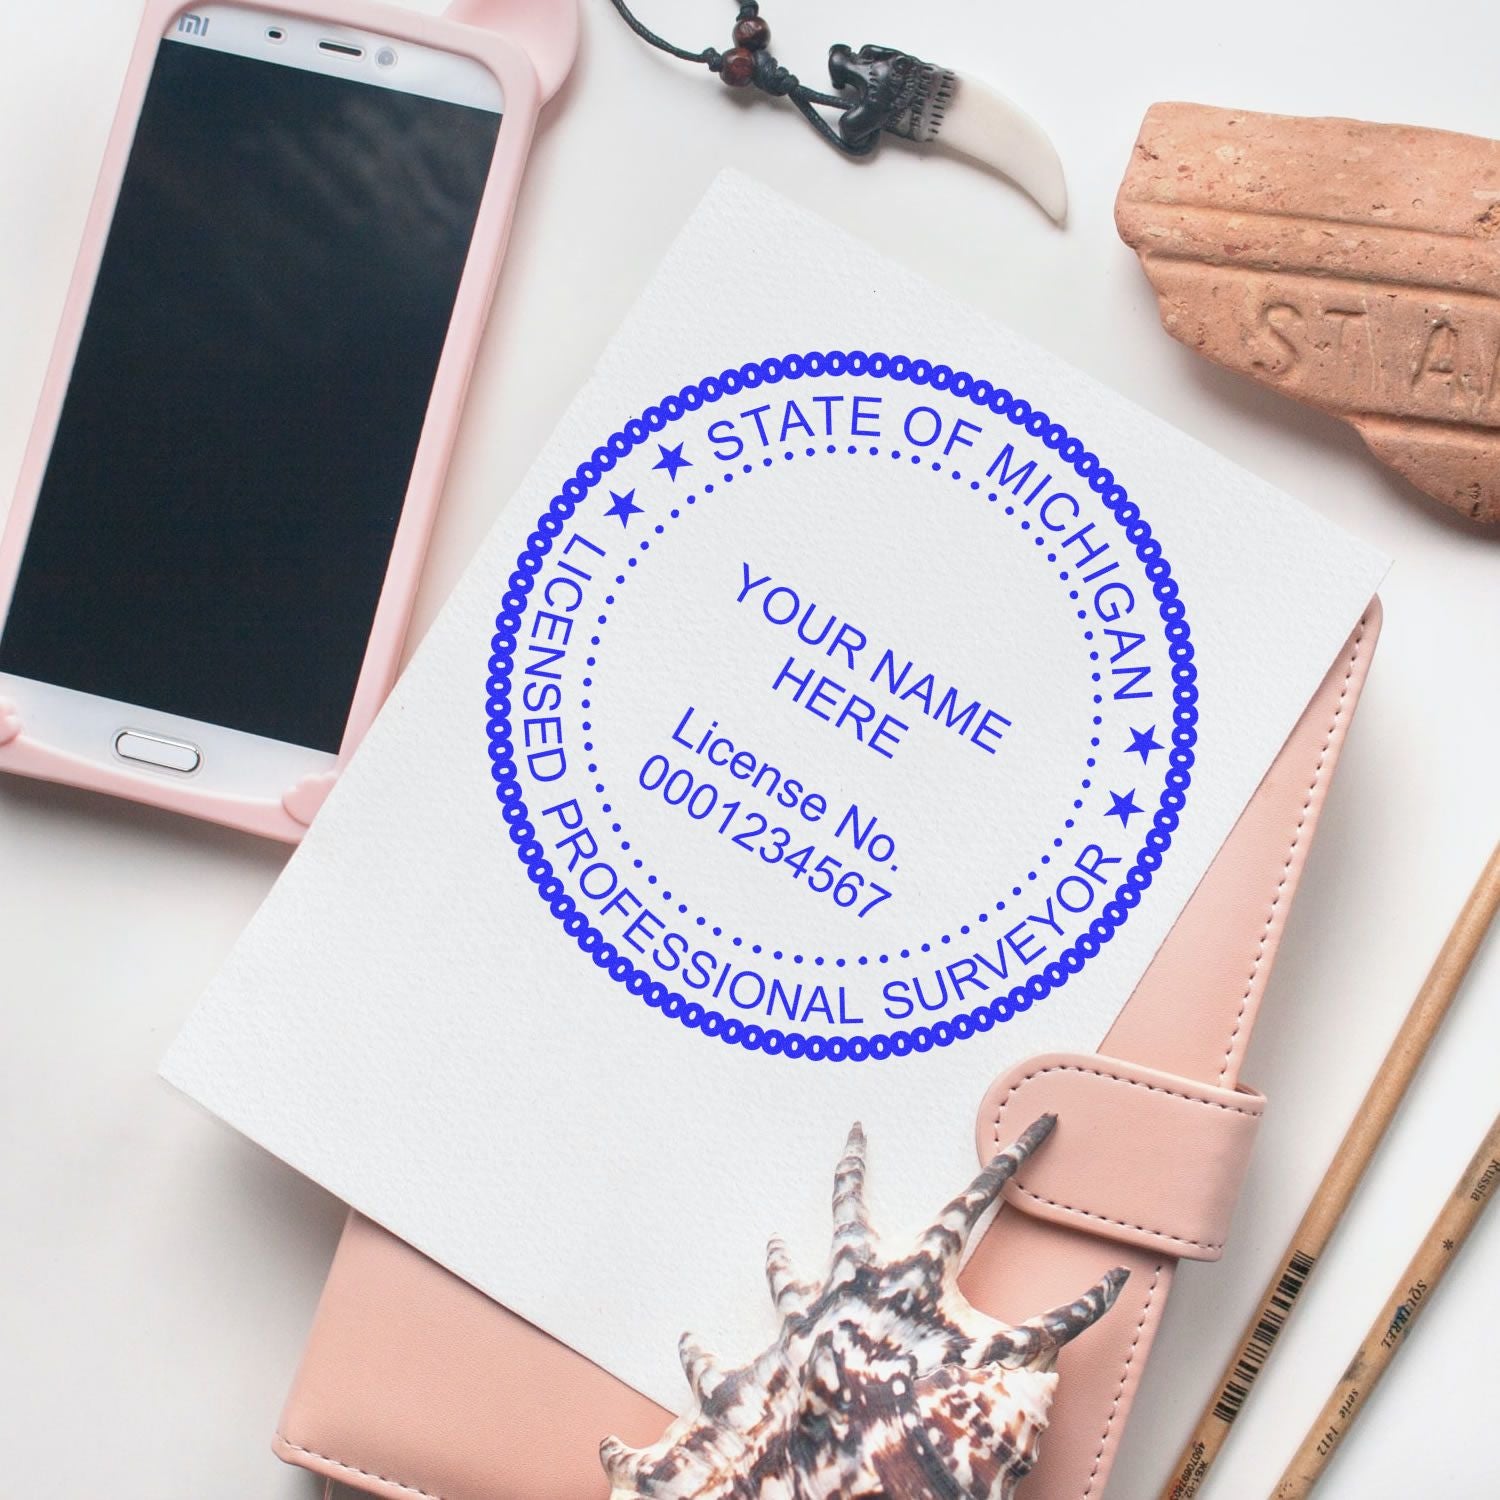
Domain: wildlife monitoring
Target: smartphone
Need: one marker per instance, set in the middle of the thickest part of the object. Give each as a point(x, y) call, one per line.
point(209, 562)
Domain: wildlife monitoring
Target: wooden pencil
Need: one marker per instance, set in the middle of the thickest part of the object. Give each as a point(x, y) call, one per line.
point(1392, 1328)
point(1332, 1197)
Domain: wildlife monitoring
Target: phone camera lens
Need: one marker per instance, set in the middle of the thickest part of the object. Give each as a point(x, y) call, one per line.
point(385, 57)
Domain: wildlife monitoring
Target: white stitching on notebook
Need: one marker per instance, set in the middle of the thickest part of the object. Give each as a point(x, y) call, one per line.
point(1136, 1083)
point(407, 1489)
point(1291, 853)
point(1114, 1407)
point(1160, 1234)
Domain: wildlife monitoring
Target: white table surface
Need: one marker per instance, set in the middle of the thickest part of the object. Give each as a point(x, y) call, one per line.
point(157, 1273)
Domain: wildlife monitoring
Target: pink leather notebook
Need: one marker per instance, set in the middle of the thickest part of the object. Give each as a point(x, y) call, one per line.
point(413, 1384)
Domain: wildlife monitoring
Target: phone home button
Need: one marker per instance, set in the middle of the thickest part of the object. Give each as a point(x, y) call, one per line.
point(153, 750)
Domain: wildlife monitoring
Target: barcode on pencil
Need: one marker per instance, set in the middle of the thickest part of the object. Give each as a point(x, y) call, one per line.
point(1268, 1326)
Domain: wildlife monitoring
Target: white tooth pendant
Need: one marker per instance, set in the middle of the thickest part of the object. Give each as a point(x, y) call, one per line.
point(986, 127)
point(929, 104)
point(883, 91)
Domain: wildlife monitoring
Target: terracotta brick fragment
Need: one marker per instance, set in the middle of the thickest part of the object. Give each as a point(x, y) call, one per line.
point(1353, 266)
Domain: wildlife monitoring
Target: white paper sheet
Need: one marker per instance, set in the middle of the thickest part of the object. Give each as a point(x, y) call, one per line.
point(422, 1017)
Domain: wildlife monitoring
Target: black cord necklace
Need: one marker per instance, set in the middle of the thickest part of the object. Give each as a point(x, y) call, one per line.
point(883, 89)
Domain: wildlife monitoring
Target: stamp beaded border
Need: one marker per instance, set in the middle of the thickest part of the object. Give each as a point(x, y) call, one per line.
point(999, 402)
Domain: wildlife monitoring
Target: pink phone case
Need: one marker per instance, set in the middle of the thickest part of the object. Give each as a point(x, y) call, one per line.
point(529, 46)
point(415, 1386)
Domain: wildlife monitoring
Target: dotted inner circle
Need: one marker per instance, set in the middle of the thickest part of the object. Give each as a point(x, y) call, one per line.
point(645, 547)
point(981, 1018)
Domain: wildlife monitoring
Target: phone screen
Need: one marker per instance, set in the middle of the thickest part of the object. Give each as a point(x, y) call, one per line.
point(217, 512)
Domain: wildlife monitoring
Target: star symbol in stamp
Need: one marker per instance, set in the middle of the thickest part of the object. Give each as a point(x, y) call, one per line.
point(624, 506)
point(1122, 806)
point(1142, 742)
point(672, 460)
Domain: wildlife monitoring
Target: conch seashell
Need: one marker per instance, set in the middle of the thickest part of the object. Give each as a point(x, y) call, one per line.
point(884, 1381)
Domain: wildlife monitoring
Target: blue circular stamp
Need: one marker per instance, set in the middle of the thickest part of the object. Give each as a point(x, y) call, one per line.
point(842, 705)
